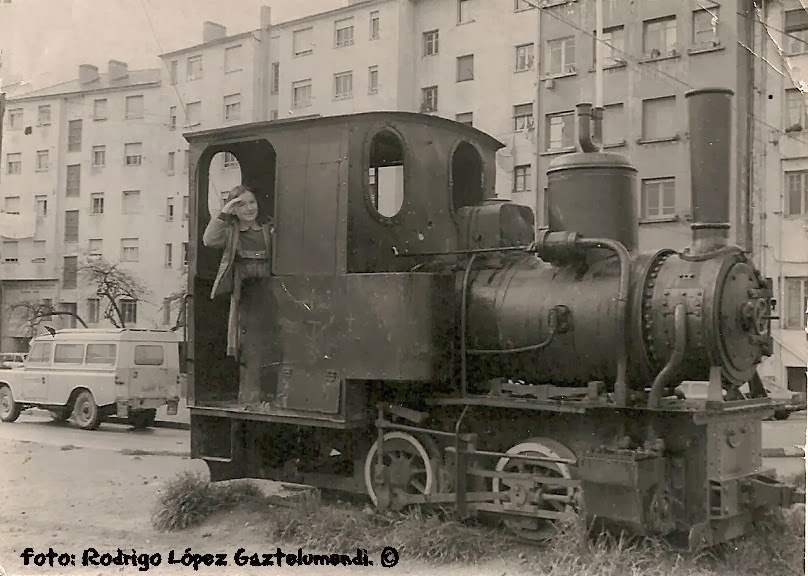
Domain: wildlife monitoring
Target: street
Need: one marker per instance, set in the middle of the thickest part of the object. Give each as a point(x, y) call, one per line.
point(70, 490)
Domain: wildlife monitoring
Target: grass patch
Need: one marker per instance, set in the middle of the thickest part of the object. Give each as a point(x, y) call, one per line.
point(189, 499)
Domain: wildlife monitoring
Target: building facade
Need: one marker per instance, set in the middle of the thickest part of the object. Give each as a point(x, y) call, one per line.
point(780, 212)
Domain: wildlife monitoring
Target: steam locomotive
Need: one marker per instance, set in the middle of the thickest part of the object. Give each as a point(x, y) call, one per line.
point(426, 346)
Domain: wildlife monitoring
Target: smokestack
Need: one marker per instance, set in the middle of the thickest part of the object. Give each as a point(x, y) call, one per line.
point(710, 125)
point(117, 70)
point(87, 73)
point(597, 128)
point(212, 31)
point(584, 128)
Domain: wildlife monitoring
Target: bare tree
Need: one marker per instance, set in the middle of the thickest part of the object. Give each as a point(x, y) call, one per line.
point(34, 313)
point(112, 283)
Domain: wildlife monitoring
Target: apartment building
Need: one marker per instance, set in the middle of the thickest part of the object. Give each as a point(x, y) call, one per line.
point(78, 167)
point(781, 209)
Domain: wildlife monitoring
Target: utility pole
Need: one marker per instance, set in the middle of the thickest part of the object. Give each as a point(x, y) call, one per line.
point(541, 216)
point(2, 114)
point(599, 55)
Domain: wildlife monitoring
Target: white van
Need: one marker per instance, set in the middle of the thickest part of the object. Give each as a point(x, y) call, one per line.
point(92, 374)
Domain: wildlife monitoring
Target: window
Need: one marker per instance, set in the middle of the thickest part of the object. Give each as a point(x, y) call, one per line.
point(465, 68)
point(523, 117)
point(43, 115)
point(149, 355)
point(463, 11)
point(301, 93)
point(374, 25)
point(797, 193)
point(343, 86)
point(129, 313)
point(12, 205)
point(229, 160)
point(796, 296)
point(429, 99)
point(659, 37)
point(521, 178)
point(343, 32)
point(41, 206)
point(273, 115)
point(171, 162)
point(134, 107)
point(42, 160)
point(40, 249)
point(99, 156)
point(133, 153)
point(96, 247)
point(613, 46)
point(68, 320)
point(40, 353)
point(14, 163)
point(232, 59)
point(386, 174)
point(466, 118)
point(232, 107)
point(100, 109)
point(167, 310)
point(15, 119)
point(93, 309)
point(185, 207)
point(169, 255)
point(194, 113)
point(658, 199)
point(559, 56)
point(97, 200)
point(129, 250)
point(276, 78)
point(185, 253)
point(70, 272)
point(796, 114)
point(614, 124)
point(100, 353)
point(301, 42)
point(658, 118)
point(524, 57)
point(194, 68)
point(560, 130)
point(373, 80)
point(131, 202)
point(10, 251)
point(172, 117)
point(74, 136)
point(172, 71)
point(705, 26)
point(69, 354)
point(796, 29)
point(72, 226)
point(521, 5)
point(431, 40)
point(796, 378)
point(169, 209)
point(73, 180)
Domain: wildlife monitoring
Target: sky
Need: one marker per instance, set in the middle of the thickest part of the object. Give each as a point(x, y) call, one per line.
point(44, 41)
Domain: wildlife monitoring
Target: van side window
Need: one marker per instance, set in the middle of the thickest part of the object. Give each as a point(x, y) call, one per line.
point(101, 353)
point(68, 354)
point(40, 353)
point(148, 355)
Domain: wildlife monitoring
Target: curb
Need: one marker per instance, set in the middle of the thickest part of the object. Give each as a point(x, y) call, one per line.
point(793, 452)
point(157, 423)
point(138, 452)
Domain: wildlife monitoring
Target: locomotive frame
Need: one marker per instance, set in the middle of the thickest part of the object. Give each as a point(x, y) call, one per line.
point(376, 383)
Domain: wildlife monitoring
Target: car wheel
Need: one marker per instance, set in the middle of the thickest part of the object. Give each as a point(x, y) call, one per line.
point(9, 410)
point(86, 412)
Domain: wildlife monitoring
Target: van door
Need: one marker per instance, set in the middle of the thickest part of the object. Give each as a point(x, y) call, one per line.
point(150, 375)
point(35, 373)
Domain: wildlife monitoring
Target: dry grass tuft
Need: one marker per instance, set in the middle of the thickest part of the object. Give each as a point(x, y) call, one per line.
point(189, 499)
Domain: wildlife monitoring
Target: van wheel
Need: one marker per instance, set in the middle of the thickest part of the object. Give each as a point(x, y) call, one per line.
point(9, 410)
point(781, 414)
point(143, 419)
point(86, 412)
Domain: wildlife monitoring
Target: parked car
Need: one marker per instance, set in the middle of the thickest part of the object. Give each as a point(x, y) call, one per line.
point(93, 374)
point(788, 401)
point(9, 360)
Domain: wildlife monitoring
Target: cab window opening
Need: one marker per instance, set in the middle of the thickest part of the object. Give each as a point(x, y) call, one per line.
point(467, 176)
point(386, 174)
